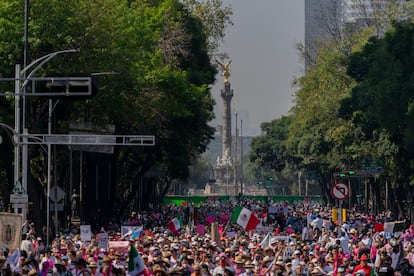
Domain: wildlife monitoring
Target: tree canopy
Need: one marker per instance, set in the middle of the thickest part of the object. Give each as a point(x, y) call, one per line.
point(159, 52)
point(381, 102)
point(354, 107)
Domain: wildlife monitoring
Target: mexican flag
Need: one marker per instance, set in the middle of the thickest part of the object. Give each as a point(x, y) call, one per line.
point(175, 224)
point(136, 264)
point(243, 217)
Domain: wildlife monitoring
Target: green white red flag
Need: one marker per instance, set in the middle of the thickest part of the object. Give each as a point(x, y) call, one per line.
point(245, 218)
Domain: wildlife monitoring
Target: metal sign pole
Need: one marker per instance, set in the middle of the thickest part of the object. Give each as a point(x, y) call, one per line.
point(339, 217)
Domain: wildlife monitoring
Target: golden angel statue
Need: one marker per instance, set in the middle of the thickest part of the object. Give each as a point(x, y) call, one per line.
point(226, 70)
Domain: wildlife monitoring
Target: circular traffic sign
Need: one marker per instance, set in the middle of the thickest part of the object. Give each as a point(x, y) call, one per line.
point(340, 190)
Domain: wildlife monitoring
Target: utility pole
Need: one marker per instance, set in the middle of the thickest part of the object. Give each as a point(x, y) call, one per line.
point(235, 158)
point(241, 157)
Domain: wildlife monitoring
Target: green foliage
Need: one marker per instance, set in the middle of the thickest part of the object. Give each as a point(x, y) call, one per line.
point(381, 103)
point(354, 104)
point(216, 19)
point(315, 130)
point(269, 150)
point(160, 51)
point(318, 139)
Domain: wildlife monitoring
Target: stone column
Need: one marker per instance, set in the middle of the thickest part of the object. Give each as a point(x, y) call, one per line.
point(226, 95)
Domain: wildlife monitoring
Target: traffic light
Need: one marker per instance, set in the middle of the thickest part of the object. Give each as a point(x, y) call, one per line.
point(346, 173)
point(350, 173)
point(267, 186)
point(270, 178)
point(260, 183)
point(334, 214)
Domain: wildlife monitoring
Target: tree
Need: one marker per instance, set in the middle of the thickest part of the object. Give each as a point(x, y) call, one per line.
point(269, 155)
point(161, 53)
point(381, 102)
point(323, 142)
point(216, 19)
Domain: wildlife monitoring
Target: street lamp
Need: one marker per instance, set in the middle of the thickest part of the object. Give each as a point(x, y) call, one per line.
point(20, 90)
point(13, 137)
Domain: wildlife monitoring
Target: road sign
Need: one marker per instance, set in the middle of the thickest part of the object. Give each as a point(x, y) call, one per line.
point(57, 194)
point(340, 190)
point(18, 205)
point(19, 198)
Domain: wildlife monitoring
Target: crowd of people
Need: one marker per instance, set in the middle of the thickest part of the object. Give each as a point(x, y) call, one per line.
point(295, 239)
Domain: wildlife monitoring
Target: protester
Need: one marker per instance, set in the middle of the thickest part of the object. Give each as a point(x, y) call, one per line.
point(296, 238)
point(363, 269)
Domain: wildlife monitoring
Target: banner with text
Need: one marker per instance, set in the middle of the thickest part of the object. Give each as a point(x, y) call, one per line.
point(10, 230)
point(85, 232)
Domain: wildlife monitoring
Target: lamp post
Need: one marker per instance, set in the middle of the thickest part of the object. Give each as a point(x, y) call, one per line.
point(20, 90)
point(13, 137)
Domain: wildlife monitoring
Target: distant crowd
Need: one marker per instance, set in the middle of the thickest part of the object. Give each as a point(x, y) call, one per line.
point(296, 239)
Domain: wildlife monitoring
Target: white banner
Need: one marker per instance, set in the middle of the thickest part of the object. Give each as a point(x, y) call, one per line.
point(121, 246)
point(85, 232)
point(103, 239)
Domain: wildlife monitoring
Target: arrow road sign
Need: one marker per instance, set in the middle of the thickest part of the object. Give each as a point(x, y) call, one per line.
point(340, 190)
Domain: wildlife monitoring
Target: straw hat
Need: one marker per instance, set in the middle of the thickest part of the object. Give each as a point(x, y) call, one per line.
point(267, 259)
point(158, 268)
point(239, 260)
point(166, 254)
point(175, 270)
point(106, 259)
point(280, 261)
point(353, 231)
point(160, 260)
point(266, 249)
point(248, 264)
point(186, 251)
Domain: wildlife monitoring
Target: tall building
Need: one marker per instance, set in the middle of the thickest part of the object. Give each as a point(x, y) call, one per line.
point(328, 19)
point(322, 18)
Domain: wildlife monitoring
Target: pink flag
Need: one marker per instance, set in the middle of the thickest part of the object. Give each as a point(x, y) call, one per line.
point(210, 219)
point(201, 229)
point(224, 218)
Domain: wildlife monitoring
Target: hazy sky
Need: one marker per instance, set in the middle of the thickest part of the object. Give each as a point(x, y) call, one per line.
point(261, 45)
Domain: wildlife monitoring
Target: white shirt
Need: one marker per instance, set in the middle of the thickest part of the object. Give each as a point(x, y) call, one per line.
point(305, 234)
point(317, 223)
point(345, 244)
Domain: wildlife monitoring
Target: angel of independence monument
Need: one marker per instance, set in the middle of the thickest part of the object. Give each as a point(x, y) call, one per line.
point(224, 170)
